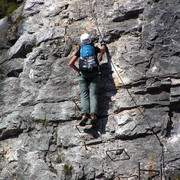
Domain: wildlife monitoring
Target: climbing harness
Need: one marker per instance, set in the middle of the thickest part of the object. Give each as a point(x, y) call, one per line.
point(138, 107)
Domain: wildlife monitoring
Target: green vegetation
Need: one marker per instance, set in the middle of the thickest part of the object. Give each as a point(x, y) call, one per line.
point(7, 7)
point(67, 169)
point(44, 122)
point(58, 159)
point(1, 72)
point(177, 178)
point(19, 19)
point(1, 168)
point(52, 169)
point(35, 47)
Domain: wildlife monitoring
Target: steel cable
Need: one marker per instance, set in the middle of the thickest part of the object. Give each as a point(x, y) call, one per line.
point(138, 107)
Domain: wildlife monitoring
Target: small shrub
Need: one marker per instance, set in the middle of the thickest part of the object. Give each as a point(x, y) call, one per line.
point(6, 8)
point(20, 18)
point(58, 159)
point(52, 169)
point(1, 168)
point(67, 169)
point(11, 7)
point(1, 72)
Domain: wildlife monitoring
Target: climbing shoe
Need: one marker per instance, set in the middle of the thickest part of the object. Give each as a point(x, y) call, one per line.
point(93, 118)
point(84, 120)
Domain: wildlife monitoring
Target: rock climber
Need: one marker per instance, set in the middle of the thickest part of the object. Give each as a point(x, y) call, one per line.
point(89, 57)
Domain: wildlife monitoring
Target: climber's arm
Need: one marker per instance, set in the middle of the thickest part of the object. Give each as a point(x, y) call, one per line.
point(102, 50)
point(72, 63)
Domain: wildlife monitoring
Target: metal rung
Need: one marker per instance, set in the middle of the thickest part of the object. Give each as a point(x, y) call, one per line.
point(158, 172)
point(118, 152)
point(77, 127)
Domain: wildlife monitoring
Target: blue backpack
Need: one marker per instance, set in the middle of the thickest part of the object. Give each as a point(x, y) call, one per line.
point(88, 60)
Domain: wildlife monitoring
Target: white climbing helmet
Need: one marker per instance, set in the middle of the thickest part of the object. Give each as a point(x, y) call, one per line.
point(85, 39)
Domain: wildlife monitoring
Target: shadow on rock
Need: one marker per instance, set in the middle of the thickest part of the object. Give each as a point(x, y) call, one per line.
point(106, 91)
point(94, 130)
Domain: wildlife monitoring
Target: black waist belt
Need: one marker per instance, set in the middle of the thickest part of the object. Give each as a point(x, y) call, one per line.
point(92, 70)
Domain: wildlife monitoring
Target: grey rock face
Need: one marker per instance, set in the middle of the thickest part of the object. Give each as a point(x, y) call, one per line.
point(3, 30)
point(139, 96)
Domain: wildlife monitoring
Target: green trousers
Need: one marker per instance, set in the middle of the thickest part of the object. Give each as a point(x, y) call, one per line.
point(89, 84)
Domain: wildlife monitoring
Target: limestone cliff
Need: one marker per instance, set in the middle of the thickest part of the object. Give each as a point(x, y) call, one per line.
point(138, 135)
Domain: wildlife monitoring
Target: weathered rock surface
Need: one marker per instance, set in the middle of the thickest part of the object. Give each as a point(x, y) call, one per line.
point(139, 97)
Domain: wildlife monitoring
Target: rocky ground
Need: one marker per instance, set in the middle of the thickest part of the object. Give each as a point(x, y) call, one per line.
point(138, 133)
